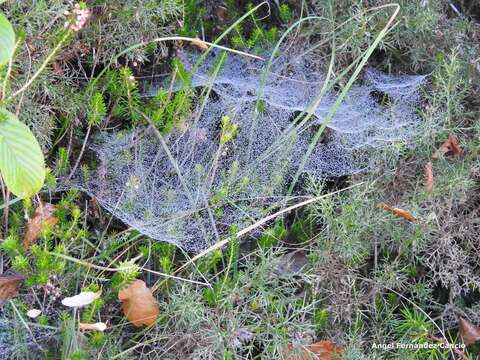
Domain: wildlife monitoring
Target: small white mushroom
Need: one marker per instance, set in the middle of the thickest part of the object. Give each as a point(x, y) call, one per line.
point(82, 299)
point(33, 313)
point(99, 326)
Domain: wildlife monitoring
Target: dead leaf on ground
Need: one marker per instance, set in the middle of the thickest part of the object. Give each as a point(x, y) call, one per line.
point(43, 217)
point(321, 350)
point(399, 212)
point(99, 326)
point(429, 177)
point(200, 44)
point(138, 303)
point(9, 286)
point(469, 333)
point(450, 148)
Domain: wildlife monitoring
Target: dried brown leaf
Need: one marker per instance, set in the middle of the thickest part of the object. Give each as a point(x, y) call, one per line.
point(450, 148)
point(43, 217)
point(468, 332)
point(200, 44)
point(138, 303)
point(399, 212)
point(429, 177)
point(9, 286)
point(321, 350)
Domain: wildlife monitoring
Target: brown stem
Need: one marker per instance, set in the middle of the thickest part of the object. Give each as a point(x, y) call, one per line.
point(6, 209)
point(4, 195)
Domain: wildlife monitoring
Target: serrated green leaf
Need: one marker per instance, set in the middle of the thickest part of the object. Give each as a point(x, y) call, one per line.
point(21, 159)
point(7, 40)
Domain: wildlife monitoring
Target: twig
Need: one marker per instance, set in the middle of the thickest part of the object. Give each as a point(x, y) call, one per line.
point(122, 268)
point(6, 198)
point(259, 223)
point(454, 8)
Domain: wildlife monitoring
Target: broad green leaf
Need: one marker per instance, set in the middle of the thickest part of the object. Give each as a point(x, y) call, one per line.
point(7, 40)
point(22, 165)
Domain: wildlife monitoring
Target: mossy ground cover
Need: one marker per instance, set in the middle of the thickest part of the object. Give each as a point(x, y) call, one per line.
point(341, 269)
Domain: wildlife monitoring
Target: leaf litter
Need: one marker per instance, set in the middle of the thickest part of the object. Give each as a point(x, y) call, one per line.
point(138, 304)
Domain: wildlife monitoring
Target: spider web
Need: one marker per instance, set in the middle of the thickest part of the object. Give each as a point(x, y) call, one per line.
point(187, 189)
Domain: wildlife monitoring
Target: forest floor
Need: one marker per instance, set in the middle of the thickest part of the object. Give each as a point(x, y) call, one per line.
point(382, 265)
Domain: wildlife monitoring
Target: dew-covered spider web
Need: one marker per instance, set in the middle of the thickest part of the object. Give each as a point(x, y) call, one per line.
point(187, 188)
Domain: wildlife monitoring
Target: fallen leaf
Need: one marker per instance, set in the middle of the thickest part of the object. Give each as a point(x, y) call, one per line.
point(451, 147)
point(138, 303)
point(429, 177)
point(43, 216)
point(399, 212)
point(33, 313)
point(9, 286)
point(200, 44)
point(321, 350)
point(82, 299)
point(99, 326)
point(469, 333)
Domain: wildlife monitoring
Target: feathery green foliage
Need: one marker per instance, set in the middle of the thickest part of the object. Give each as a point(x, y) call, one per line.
point(98, 110)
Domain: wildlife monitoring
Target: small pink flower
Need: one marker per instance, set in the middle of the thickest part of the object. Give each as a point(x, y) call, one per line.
point(82, 16)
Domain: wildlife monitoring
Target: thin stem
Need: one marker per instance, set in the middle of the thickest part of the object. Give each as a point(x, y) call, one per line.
point(22, 320)
point(42, 67)
point(81, 153)
point(174, 163)
point(170, 157)
point(168, 38)
point(4, 195)
point(9, 70)
point(6, 211)
point(123, 268)
point(457, 351)
point(342, 96)
point(259, 223)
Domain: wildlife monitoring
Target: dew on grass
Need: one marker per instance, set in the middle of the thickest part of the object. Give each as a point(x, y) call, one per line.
point(193, 187)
